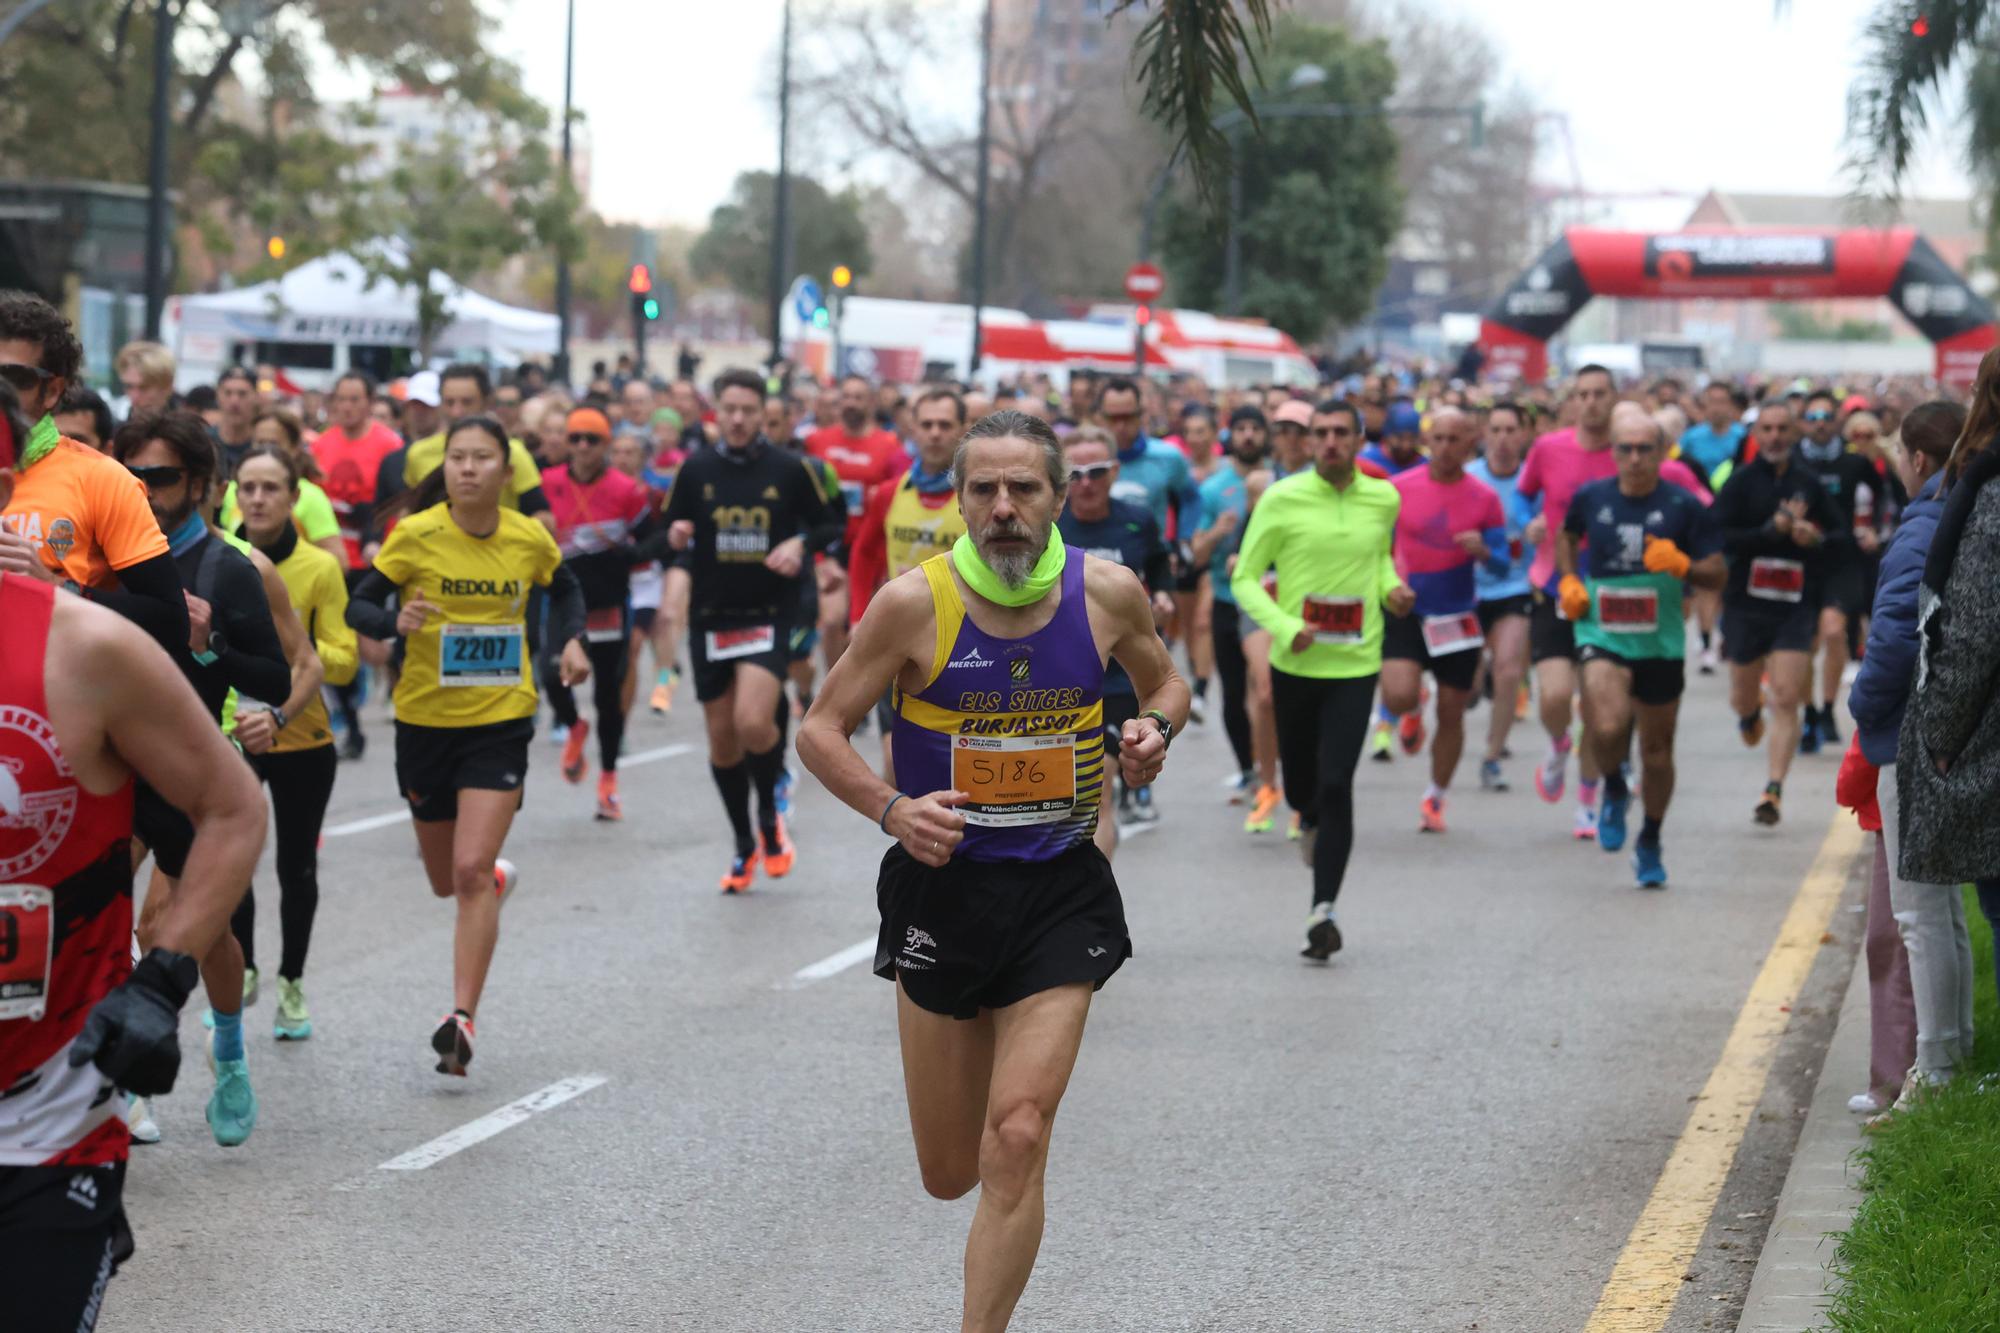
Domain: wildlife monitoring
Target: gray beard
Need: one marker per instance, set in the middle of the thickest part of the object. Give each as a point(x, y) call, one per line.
point(1013, 570)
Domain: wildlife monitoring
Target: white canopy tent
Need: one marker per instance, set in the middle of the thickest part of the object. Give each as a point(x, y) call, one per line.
point(327, 303)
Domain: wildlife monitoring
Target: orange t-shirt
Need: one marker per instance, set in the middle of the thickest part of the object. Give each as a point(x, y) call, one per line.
point(85, 513)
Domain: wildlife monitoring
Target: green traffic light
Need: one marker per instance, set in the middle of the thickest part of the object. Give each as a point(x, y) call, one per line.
point(820, 318)
point(652, 308)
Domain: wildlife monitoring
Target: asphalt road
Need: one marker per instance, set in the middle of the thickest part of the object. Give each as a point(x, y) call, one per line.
point(1453, 1127)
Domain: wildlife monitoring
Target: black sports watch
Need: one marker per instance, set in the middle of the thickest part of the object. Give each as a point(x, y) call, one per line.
point(1161, 721)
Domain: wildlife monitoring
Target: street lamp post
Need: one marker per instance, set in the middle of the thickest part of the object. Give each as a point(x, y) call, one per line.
point(781, 219)
point(562, 253)
point(985, 173)
point(156, 171)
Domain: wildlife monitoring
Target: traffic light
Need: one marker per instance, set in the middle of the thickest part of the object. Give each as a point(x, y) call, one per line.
point(650, 307)
point(275, 247)
point(1921, 27)
point(843, 277)
point(1142, 315)
point(641, 281)
point(820, 317)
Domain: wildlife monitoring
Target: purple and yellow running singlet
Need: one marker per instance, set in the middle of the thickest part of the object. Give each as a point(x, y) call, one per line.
point(1018, 724)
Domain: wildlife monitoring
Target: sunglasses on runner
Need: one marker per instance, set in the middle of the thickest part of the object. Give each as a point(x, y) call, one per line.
point(1819, 416)
point(1117, 418)
point(586, 437)
point(1332, 432)
point(25, 378)
point(1089, 471)
point(158, 478)
point(1633, 450)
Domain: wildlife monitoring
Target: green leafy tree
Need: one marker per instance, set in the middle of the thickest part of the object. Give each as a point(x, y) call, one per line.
point(1189, 58)
point(1320, 199)
point(827, 229)
point(253, 150)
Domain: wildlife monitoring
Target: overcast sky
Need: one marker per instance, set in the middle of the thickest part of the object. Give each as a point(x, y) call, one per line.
point(1681, 95)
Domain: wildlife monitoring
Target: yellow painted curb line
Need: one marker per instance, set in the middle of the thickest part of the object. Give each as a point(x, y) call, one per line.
point(1647, 1279)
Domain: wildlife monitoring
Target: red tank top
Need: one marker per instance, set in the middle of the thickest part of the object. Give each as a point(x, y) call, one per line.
point(65, 912)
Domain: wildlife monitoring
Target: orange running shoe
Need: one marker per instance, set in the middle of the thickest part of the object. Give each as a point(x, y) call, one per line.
point(1260, 820)
point(573, 762)
point(608, 807)
point(1410, 731)
point(778, 852)
point(741, 871)
point(1431, 813)
point(1521, 699)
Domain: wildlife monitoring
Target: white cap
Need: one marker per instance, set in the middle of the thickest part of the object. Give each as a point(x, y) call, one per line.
point(424, 388)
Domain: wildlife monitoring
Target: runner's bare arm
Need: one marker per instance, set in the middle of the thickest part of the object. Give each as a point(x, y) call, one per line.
point(1123, 606)
point(899, 619)
point(141, 715)
point(1709, 572)
point(1566, 549)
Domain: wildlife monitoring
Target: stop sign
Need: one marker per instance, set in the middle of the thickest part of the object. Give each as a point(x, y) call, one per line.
point(1144, 282)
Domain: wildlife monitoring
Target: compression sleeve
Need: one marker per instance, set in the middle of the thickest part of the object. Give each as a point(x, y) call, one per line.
point(368, 606)
point(253, 659)
point(533, 501)
point(151, 596)
point(565, 616)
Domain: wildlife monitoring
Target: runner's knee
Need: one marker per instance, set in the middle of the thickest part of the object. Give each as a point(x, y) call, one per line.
point(471, 875)
point(1013, 1144)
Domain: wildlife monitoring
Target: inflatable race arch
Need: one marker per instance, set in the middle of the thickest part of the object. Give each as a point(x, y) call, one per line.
point(1763, 265)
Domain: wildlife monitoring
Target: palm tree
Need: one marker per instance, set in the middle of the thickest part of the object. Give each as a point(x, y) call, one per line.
point(1190, 55)
point(1915, 55)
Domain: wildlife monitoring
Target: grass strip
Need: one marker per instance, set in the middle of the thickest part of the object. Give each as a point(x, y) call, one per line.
point(1923, 1253)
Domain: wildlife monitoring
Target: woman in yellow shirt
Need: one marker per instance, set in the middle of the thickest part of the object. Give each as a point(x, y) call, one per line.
point(461, 566)
point(292, 747)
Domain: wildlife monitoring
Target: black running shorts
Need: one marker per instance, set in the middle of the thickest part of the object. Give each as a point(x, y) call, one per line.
point(1845, 587)
point(1549, 635)
point(1655, 680)
point(434, 764)
point(1496, 609)
point(166, 832)
point(1750, 633)
point(712, 679)
point(63, 1234)
point(1403, 641)
point(1118, 710)
point(975, 935)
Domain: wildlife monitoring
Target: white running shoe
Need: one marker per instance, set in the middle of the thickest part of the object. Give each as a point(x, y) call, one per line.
point(1863, 1103)
point(1584, 829)
point(505, 878)
point(139, 1119)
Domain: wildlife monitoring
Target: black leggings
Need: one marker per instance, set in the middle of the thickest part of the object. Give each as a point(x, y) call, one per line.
point(1231, 666)
point(301, 783)
point(608, 662)
point(1321, 727)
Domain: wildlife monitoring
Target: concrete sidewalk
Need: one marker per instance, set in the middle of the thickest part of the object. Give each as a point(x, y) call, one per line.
point(1792, 1285)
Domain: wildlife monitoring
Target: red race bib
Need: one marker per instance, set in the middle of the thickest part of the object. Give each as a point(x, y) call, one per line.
point(27, 949)
point(1334, 619)
point(1628, 610)
point(1777, 580)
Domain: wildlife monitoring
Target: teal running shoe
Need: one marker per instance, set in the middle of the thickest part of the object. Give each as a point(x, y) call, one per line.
point(232, 1108)
point(1611, 821)
point(1650, 870)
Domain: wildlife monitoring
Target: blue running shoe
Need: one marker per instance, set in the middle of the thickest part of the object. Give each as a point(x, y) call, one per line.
point(783, 791)
point(1647, 865)
point(1611, 820)
point(232, 1108)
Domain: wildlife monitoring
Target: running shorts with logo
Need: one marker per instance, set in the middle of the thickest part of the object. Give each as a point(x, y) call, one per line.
point(974, 935)
point(1636, 619)
point(466, 701)
point(1025, 902)
point(1442, 632)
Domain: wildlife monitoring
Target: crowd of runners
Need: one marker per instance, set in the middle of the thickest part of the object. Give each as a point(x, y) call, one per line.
point(1027, 594)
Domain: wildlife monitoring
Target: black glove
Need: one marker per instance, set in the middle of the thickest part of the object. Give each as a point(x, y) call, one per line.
point(133, 1034)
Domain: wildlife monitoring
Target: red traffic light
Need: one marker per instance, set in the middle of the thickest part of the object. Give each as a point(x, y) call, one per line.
point(641, 280)
point(1920, 28)
point(1142, 315)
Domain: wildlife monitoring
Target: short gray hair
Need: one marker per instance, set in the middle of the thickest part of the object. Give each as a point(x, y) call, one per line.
point(1008, 424)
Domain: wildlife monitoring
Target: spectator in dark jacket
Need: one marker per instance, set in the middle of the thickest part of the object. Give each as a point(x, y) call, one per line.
point(1948, 756)
point(1919, 952)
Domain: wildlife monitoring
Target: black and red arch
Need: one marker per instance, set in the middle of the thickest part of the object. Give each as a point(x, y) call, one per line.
point(1775, 265)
